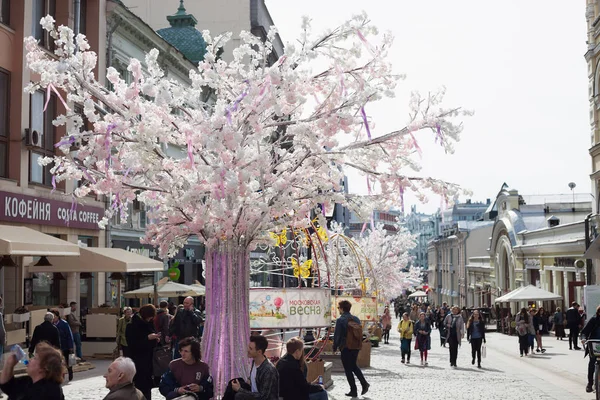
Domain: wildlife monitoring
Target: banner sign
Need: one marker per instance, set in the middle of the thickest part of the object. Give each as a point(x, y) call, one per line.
point(365, 308)
point(287, 308)
point(21, 208)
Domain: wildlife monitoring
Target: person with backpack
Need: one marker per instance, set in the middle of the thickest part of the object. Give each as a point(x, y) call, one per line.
point(523, 321)
point(348, 338)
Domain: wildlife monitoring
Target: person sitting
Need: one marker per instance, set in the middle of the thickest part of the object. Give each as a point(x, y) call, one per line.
point(264, 379)
point(119, 380)
point(44, 376)
point(292, 383)
point(188, 373)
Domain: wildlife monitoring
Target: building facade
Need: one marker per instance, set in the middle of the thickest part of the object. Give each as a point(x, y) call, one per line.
point(539, 240)
point(218, 17)
point(28, 194)
point(425, 228)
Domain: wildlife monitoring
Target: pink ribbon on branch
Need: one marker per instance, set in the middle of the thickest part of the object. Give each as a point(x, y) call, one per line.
point(49, 89)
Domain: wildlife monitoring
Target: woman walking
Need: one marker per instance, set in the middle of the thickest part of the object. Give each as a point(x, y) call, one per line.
point(142, 339)
point(386, 322)
point(559, 324)
point(455, 326)
point(475, 336)
point(522, 321)
point(442, 327)
point(422, 332)
point(405, 327)
point(538, 327)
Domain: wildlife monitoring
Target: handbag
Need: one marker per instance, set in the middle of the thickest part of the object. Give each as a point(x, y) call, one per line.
point(160, 360)
point(417, 344)
point(483, 351)
point(72, 360)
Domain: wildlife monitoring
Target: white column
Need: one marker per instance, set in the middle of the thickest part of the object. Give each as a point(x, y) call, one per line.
point(73, 287)
point(100, 297)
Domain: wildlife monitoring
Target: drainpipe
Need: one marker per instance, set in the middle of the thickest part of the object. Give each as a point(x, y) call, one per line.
point(589, 269)
point(76, 19)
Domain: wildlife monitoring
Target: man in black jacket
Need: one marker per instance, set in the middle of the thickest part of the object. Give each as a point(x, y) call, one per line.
point(591, 331)
point(185, 324)
point(292, 382)
point(45, 332)
point(573, 323)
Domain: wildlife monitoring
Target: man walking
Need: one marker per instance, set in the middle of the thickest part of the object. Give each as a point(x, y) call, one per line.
point(66, 340)
point(75, 325)
point(185, 324)
point(348, 338)
point(45, 332)
point(264, 379)
point(573, 322)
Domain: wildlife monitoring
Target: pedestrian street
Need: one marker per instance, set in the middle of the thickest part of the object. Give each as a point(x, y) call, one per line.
point(557, 374)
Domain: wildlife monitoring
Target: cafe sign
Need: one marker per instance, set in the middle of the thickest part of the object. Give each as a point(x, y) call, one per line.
point(24, 209)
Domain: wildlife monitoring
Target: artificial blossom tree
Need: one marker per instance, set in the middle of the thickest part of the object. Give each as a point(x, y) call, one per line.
point(261, 146)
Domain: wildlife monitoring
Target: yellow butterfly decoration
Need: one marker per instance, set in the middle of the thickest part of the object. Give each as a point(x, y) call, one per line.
point(280, 238)
point(301, 270)
point(322, 232)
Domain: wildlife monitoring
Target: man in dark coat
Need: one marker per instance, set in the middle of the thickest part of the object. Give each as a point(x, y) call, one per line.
point(67, 345)
point(45, 332)
point(292, 383)
point(185, 324)
point(573, 323)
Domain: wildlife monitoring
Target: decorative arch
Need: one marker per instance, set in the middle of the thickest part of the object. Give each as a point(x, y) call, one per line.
point(505, 264)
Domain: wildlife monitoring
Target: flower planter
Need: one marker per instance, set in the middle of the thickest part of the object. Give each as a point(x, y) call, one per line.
point(21, 317)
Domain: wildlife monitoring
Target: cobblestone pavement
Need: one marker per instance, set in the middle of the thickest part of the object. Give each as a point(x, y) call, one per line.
point(558, 374)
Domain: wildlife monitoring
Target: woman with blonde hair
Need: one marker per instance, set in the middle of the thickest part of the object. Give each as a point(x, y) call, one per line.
point(405, 328)
point(45, 373)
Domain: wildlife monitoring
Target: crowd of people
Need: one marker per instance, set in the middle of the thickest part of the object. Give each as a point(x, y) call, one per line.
point(133, 374)
point(418, 321)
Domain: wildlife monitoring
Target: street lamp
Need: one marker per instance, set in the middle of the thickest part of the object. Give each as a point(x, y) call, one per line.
point(572, 186)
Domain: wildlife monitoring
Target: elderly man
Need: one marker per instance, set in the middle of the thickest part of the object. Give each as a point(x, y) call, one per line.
point(119, 380)
point(45, 332)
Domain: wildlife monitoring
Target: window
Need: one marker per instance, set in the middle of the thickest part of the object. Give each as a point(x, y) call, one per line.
point(42, 123)
point(41, 8)
point(4, 132)
point(82, 17)
point(5, 12)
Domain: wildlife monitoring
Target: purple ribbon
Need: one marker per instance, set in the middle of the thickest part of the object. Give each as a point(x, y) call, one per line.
point(439, 134)
point(107, 144)
point(70, 140)
point(402, 198)
point(236, 103)
point(364, 117)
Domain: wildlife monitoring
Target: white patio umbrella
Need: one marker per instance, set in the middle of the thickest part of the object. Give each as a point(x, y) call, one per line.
point(418, 293)
point(165, 288)
point(528, 293)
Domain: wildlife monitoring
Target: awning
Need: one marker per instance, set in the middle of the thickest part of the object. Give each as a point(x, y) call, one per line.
point(418, 293)
point(101, 259)
point(166, 288)
point(593, 252)
point(21, 241)
point(528, 293)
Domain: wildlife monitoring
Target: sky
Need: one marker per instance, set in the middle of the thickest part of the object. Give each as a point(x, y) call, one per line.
point(519, 65)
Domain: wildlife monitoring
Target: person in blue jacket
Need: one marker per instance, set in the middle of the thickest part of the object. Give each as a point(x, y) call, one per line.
point(66, 340)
